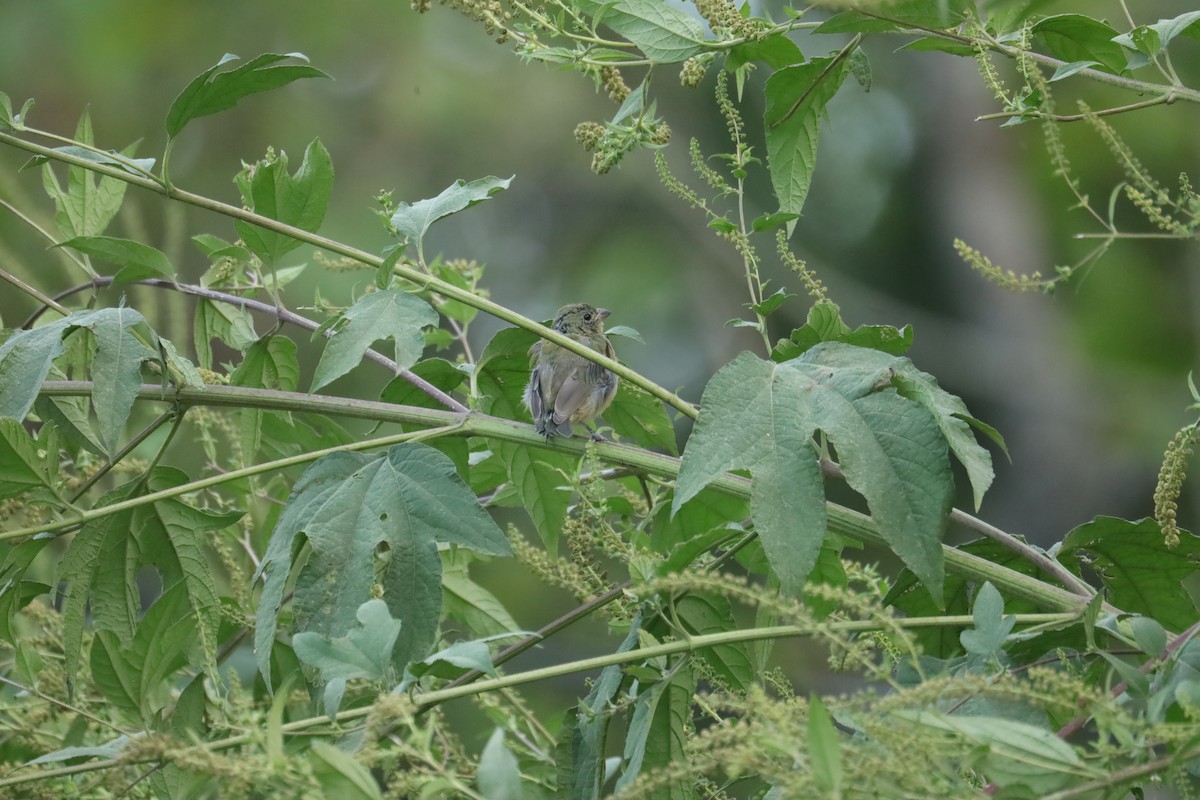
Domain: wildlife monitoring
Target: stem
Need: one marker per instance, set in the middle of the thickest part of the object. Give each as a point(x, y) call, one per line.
point(1164, 99)
point(690, 644)
point(427, 281)
point(122, 453)
point(842, 520)
point(33, 292)
point(279, 313)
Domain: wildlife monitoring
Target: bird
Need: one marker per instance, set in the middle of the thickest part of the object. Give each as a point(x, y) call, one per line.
point(565, 387)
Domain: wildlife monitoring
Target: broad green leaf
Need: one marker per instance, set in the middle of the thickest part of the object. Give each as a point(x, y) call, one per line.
point(825, 325)
point(1149, 635)
point(364, 652)
point(626, 332)
point(230, 324)
point(371, 519)
point(340, 775)
point(137, 260)
point(705, 613)
point(900, 16)
point(663, 33)
point(25, 360)
point(124, 161)
point(412, 220)
point(499, 775)
point(70, 416)
point(658, 732)
point(89, 202)
point(776, 51)
point(269, 363)
point(298, 199)
point(992, 626)
point(1077, 37)
point(468, 603)
point(762, 416)
point(180, 368)
point(383, 314)
point(457, 659)
point(1142, 575)
point(1010, 753)
point(796, 98)
point(1187, 24)
point(1067, 70)
point(171, 781)
point(824, 749)
point(132, 675)
point(110, 749)
point(936, 44)
point(638, 415)
point(172, 535)
point(22, 467)
point(437, 371)
point(538, 475)
point(212, 91)
point(116, 370)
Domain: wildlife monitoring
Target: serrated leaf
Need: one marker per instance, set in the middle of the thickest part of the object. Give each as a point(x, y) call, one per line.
point(662, 32)
point(116, 370)
point(658, 732)
point(412, 220)
point(705, 613)
point(89, 202)
point(131, 676)
point(212, 91)
point(1142, 575)
point(383, 314)
point(768, 306)
point(25, 361)
point(457, 659)
point(499, 774)
point(298, 199)
point(137, 261)
point(825, 325)
point(795, 102)
point(470, 604)
point(537, 474)
point(15, 591)
point(269, 363)
point(354, 508)
point(761, 416)
point(437, 371)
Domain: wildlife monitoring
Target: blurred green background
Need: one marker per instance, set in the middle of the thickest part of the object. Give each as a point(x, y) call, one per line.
point(1087, 385)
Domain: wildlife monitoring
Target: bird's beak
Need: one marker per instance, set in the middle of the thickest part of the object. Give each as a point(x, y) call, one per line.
point(603, 312)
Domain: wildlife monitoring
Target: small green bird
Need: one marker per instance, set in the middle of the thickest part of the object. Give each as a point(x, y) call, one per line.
point(565, 387)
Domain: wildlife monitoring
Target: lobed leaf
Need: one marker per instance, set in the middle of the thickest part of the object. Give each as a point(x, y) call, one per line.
point(383, 314)
point(299, 200)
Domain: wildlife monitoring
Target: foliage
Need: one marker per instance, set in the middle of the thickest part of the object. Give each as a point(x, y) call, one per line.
point(280, 608)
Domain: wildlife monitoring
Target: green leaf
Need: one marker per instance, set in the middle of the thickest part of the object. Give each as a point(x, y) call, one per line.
point(383, 314)
point(992, 627)
point(1077, 37)
point(769, 222)
point(705, 613)
point(137, 260)
point(776, 51)
point(768, 306)
point(371, 519)
point(1149, 635)
point(663, 33)
point(796, 98)
point(24, 466)
point(25, 361)
point(89, 202)
point(499, 775)
point(340, 775)
point(658, 732)
point(1067, 70)
point(473, 606)
point(364, 652)
point(761, 416)
point(412, 220)
point(70, 416)
point(538, 475)
point(1008, 753)
point(9, 120)
point(1142, 575)
point(1187, 24)
point(132, 675)
point(825, 325)
point(900, 16)
point(626, 331)
point(15, 592)
point(437, 371)
point(936, 44)
point(824, 749)
point(269, 363)
point(299, 199)
point(639, 415)
point(457, 659)
point(116, 370)
point(212, 91)
point(232, 325)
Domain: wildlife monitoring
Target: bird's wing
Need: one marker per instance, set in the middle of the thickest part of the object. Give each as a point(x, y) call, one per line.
point(571, 396)
point(533, 395)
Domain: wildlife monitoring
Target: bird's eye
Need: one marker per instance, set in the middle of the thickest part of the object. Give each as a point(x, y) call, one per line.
point(587, 317)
